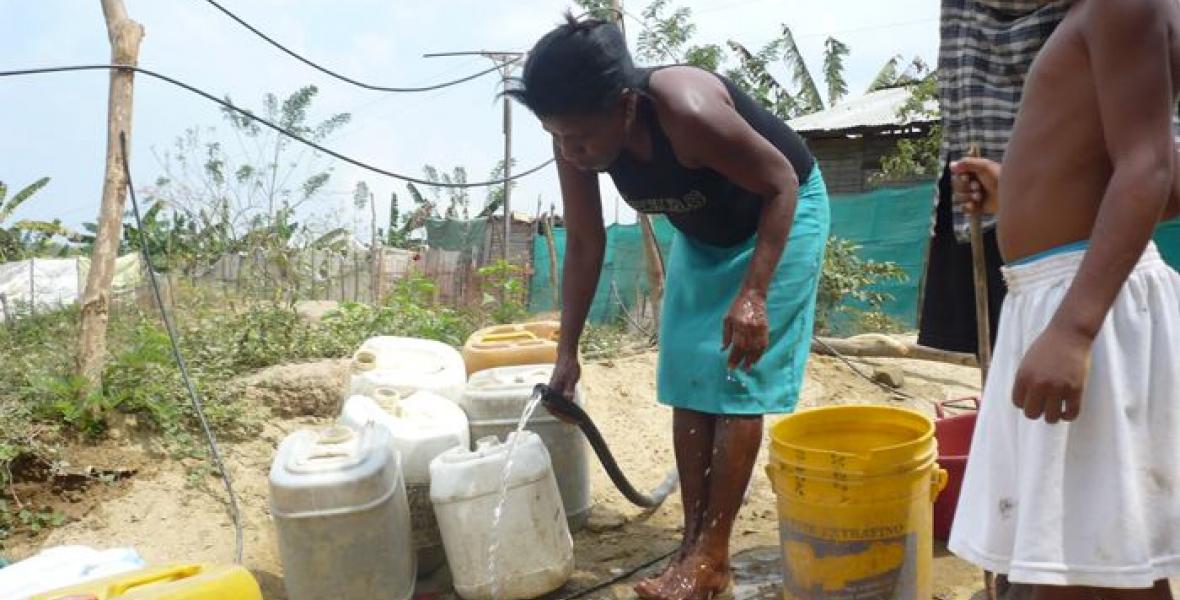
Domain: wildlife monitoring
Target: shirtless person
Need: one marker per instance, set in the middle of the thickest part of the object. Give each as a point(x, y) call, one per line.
point(1075, 490)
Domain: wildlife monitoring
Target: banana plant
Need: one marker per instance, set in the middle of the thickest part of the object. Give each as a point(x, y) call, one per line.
point(27, 238)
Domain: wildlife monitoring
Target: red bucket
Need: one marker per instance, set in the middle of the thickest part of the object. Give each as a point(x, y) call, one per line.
point(954, 443)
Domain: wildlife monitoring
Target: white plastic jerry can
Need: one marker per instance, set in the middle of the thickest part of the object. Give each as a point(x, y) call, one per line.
point(535, 553)
point(495, 398)
point(407, 365)
point(422, 426)
point(339, 504)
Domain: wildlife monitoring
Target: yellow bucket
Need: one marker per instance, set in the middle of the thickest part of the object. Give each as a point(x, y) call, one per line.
point(856, 487)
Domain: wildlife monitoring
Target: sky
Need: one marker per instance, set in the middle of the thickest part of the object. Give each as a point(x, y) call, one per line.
point(55, 125)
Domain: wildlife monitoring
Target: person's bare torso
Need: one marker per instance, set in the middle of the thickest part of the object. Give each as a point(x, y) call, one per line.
point(1057, 167)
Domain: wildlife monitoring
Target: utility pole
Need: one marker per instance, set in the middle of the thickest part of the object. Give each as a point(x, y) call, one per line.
point(505, 60)
point(506, 69)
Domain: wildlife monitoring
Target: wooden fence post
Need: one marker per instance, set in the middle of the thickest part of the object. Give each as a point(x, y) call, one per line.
point(125, 36)
point(554, 283)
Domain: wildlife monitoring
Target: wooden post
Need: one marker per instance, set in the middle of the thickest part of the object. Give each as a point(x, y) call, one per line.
point(554, 284)
point(875, 345)
point(377, 254)
point(507, 170)
point(651, 249)
point(356, 276)
point(33, 286)
point(125, 37)
point(655, 267)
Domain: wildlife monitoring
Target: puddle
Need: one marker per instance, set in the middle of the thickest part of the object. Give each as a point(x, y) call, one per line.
point(758, 574)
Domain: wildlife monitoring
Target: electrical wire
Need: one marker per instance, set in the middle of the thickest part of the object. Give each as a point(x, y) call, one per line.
point(277, 128)
point(346, 79)
point(235, 511)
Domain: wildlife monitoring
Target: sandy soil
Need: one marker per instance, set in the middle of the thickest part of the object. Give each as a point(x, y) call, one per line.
point(168, 517)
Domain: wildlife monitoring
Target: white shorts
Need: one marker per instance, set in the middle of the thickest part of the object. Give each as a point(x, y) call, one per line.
point(1095, 502)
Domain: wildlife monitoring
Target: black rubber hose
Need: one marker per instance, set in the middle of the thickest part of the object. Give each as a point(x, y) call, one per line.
point(556, 404)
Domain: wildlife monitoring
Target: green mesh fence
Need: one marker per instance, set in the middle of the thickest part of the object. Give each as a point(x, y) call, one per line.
point(624, 274)
point(890, 225)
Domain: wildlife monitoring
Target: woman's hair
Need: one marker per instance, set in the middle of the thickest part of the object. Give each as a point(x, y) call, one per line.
point(582, 67)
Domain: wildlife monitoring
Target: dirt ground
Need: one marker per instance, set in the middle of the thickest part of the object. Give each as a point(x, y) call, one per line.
point(168, 517)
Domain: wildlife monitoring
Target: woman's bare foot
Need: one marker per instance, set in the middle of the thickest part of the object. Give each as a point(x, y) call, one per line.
point(696, 577)
point(650, 587)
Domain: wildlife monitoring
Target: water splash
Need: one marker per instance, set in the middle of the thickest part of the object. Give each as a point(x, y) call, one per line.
point(731, 378)
point(498, 512)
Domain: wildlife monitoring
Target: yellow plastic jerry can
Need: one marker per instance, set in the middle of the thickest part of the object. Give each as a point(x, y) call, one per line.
point(171, 582)
point(512, 345)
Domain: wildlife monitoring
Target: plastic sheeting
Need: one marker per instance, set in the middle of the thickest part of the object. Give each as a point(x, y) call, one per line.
point(50, 284)
point(62, 567)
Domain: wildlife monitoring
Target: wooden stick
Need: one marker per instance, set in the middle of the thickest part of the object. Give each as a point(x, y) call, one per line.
point(655, 265)
point(883, 346)
point(125, 36)
point(979, 269)
point(554, 284)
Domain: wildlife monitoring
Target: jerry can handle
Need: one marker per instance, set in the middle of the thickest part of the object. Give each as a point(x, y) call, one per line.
point(151, 576)
point(508, 337)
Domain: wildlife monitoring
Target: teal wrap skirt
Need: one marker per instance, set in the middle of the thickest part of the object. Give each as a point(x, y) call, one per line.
point(702, 282)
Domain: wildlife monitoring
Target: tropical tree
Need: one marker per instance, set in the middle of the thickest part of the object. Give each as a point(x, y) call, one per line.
point(27, 238)
point(667, 36)
point(887, 77)
point(753, 76)
point(254, 180)
point(708, 56)
point(495, 197)
point(835, 52)
point(807, 96)
point(890, 77)
point(598, 9)
point(457, 200)
point(666, 31)
point(918, 156)
point(393, 233)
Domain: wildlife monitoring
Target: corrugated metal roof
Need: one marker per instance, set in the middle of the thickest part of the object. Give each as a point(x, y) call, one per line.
point(878, 109)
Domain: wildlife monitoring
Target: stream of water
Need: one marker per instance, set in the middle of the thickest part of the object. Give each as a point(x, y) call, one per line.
point(512, 440)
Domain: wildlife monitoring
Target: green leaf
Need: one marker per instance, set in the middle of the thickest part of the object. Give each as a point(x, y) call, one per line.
point(598, 9)
point(20, 197)
point(887, 77)
point(664, 35)
point(360, 195)
point(754, 77)
point(314, 184)
point(707, 57)
point(835, 52)
point(808, 97)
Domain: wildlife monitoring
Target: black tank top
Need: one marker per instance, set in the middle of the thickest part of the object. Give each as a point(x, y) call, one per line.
point(702, 203)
